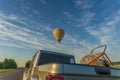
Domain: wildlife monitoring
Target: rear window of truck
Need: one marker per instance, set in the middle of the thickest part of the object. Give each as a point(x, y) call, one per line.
point(50, 58)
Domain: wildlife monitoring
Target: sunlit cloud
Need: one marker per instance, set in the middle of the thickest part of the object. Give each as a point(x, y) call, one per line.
point(31, 39)
point(104, 32)
point(15, 32)
point(81, 22)
point(108, 32)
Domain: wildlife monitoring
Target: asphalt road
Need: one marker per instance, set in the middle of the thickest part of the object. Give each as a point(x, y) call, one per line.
point(12, 75)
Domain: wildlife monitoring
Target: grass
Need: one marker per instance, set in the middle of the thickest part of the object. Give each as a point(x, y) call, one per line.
point(117, 66)
point(5, 70)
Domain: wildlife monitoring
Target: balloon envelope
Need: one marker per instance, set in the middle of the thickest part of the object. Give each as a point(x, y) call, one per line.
point(58, 33)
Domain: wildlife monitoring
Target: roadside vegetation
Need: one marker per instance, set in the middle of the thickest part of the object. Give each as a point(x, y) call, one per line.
point(5, 70)
point(117, 66)
point(7, 65)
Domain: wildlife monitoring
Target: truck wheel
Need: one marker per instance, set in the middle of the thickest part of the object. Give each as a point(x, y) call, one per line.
point(25, 75)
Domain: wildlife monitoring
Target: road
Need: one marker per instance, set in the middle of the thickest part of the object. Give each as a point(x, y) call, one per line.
point(12, 75)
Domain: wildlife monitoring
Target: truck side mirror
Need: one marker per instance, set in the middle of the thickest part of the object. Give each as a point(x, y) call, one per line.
point(27, 65)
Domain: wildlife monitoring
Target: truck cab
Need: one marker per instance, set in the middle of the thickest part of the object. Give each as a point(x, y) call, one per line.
point(43, 57)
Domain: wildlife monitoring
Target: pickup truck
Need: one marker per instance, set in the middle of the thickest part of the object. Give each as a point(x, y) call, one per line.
point(48, 65)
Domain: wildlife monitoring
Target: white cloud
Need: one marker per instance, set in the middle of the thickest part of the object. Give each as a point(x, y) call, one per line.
point(103, 35)
point(43, 1)
point(69, 15)
point(107, 32)
point(86, 16)
point(81, 21)
point(22, 37)
point(78, 44)
point(84, 4)
point(48, 28)
point(87, 44)
point(85, 19)
point(15, 32)
point(6, 43)
point(36, 12)
point(26, 9)
point(106, 39)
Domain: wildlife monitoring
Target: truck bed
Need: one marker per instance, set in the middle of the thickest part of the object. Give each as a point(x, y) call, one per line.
point(80, 72)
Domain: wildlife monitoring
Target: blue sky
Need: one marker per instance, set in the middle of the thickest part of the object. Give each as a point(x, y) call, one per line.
point(27, 25)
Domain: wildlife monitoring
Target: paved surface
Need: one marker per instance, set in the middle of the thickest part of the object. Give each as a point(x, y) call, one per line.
point(12, 75)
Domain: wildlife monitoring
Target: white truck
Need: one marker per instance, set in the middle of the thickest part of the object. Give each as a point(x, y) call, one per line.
point(48, 65)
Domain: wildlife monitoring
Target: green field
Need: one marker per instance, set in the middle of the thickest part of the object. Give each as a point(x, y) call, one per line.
point(5, 70)
point(117, 66)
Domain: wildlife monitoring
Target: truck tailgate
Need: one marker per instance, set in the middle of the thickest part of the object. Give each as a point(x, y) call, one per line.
point(85, 72)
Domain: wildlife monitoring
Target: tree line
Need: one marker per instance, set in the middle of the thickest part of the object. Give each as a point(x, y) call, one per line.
point(8, 64)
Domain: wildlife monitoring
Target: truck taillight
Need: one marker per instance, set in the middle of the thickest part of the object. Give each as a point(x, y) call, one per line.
point(54, 77)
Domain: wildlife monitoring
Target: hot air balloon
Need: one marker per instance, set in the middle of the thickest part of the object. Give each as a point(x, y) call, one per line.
point(58, 33)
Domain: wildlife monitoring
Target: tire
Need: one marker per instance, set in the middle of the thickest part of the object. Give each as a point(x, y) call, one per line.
point(25, 75)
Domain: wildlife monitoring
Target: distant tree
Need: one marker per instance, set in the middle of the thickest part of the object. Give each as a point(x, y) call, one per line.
point(12, 63)
point(6, 64)
point(9, 64)
point(28, 63)
point(1, 65)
